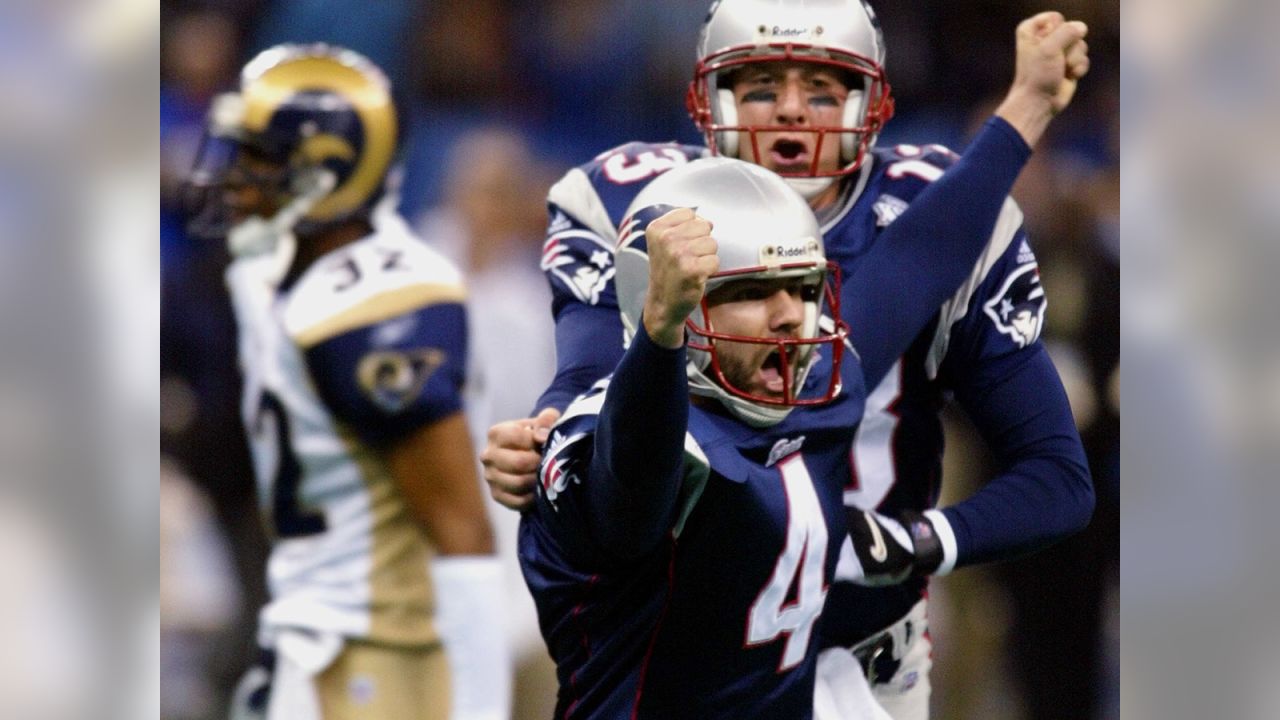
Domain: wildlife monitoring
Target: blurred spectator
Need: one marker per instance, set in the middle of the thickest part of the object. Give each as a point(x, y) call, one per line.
point(463, 77)
point(491, 224)
point(198, 59)
point(199, 389)
point(198, 598)
point(569, 61)
point(378, 30)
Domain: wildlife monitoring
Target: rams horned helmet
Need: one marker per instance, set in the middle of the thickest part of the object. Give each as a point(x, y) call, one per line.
point(763, 230)
point(312, 127)
point(839, 34)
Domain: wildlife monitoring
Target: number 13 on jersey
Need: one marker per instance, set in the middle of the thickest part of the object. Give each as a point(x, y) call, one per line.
point(805, 554)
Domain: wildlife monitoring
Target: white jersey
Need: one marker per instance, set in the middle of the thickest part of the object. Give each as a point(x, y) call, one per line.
point(367, 345)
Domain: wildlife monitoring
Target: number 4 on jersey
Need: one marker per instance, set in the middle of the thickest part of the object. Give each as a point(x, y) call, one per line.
point(800, 564)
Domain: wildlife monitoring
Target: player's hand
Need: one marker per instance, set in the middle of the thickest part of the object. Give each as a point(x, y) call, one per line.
point(1052, 56)
point(887, 551)
point(682, 256)
point(511, 458)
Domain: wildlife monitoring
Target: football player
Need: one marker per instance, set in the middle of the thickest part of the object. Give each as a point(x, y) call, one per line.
point(352, 341)
point(687, 522)
point(799, 87)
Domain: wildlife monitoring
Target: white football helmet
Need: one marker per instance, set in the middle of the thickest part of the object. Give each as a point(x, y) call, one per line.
point(840, 34)
point(763, 229)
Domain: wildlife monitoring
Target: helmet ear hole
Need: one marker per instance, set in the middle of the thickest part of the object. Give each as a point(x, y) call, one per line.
point(727, 140)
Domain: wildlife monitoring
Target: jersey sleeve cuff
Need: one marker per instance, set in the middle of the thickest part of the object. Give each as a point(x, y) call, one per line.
point(1020, 144)
point(652, 351)
point(942, 527)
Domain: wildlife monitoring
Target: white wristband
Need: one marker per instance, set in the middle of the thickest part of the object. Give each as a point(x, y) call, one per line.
point(468, 591)
point(947, 537)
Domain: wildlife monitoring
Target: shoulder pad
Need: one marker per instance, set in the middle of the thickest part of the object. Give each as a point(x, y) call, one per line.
point(902, 171)
point(933, 154)
point(379, 277)
point(598, 193)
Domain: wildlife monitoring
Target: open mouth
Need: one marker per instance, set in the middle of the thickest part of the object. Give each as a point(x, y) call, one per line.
point(771, 373)
point(790, 155)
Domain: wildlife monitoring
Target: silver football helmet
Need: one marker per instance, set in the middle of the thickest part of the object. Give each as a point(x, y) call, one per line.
point(763, 230)
point(840, 34)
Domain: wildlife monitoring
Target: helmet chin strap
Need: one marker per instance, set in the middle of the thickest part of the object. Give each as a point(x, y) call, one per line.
point(809, 188)
point(272, 240)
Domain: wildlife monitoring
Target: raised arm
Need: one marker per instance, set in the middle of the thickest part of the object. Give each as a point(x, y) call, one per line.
point(577, 259)
point(640, 438)
point(924, 255)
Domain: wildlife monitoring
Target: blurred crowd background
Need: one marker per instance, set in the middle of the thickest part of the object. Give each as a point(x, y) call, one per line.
point(500, 98)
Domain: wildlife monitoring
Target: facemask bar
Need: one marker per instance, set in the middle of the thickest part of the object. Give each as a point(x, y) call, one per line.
point(217, 170)
point(208, 217)
point(861, 124)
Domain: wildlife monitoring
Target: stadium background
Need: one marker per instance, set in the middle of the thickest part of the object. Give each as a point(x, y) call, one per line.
point(501, 97)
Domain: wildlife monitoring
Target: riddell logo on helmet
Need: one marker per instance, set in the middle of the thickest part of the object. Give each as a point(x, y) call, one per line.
point(779, 31)
point(775, 254)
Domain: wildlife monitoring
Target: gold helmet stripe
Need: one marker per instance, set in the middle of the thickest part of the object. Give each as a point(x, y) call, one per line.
point(370, 98)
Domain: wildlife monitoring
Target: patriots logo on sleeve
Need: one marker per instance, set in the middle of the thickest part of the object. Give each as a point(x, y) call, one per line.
point(887, 209)
point(580, 260)
point(1018, 308)
point(554, 476)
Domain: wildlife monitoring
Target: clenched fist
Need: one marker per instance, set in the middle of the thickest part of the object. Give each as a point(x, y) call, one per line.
point(682, 256)
point(1052, 56)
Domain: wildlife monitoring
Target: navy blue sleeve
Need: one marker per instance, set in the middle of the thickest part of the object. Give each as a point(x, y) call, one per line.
point(1043, 491)
point(639, 446)
point(388, 379)
point(924, 255)
point(1004, 379)
point(588, 347)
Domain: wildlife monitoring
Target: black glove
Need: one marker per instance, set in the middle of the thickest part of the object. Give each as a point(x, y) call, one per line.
point(888, 550)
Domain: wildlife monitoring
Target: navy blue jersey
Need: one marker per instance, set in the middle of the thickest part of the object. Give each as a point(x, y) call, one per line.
point(982, 346)
point(704, 604)
point(898, 202)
